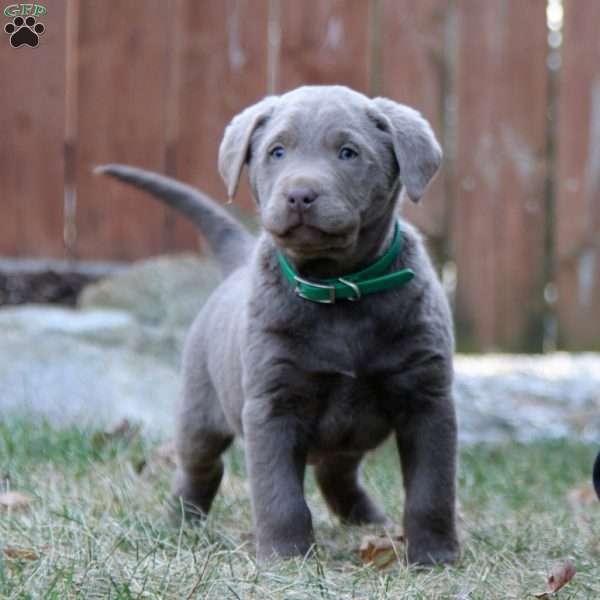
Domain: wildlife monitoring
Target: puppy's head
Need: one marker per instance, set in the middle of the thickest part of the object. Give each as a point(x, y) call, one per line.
point(325, 163)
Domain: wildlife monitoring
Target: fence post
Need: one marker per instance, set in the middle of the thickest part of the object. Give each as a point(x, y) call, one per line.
point(32, 97)
point(415, 71)
point(220, 61)
point(499, 222)
point(324, 43)
point(577, 228)
point(120, 118)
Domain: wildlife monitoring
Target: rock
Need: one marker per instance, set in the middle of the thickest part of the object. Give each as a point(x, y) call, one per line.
point(97, 326)
point(164, 292)
point(68, 379)
point(117, 358)
point(526, 397)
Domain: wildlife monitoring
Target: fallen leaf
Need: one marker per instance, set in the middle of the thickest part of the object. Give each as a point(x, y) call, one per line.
point(14, 500)
point(380, 551)
point(562, 572)
point(16, 553)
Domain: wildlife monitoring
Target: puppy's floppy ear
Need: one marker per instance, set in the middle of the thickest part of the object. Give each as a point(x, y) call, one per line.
point(235, 146)
point(417, 151)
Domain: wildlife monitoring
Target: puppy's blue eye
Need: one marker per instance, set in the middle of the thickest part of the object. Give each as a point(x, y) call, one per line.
point(347, 153)
point(277, 153)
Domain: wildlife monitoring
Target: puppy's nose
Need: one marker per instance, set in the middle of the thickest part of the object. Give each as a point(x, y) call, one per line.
point(301, 198)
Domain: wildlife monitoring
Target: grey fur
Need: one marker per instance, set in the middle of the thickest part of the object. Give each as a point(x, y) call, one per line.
point(323, 384)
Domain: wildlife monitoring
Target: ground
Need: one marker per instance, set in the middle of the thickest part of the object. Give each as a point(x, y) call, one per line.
point(96, 527)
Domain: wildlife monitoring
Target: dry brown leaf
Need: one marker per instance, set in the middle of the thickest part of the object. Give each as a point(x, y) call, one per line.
point(562, 572)
point(14, 500)
point(17, 553)
point(380, 551)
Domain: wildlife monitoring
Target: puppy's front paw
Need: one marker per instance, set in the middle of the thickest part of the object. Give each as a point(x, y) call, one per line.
point(283, 530)
point(426, 555)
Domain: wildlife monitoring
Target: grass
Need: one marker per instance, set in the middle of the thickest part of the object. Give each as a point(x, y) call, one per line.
point(98, 529)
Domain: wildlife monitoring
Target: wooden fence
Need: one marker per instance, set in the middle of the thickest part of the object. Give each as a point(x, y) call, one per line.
point(515, 213)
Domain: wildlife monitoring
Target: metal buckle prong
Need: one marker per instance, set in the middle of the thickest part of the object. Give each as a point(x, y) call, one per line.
point(329, 288)
point(353, 287)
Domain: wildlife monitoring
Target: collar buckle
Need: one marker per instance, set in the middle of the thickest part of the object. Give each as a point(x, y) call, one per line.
point(353, 287)
point(330, 289)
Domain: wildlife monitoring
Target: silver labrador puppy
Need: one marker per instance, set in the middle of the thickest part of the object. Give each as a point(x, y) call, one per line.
point(330, 331)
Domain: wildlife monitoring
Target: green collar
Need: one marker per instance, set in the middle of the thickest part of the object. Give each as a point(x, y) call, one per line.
point(355, 285)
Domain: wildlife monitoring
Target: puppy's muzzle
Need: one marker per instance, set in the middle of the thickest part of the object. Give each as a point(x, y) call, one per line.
point(301, 198)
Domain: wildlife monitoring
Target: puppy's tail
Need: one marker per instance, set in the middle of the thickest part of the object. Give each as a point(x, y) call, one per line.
point(229, 241)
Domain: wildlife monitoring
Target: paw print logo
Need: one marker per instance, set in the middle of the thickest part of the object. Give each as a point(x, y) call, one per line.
point(24, 32)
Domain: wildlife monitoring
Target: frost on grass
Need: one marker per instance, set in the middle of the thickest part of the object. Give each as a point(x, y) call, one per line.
point(98, 528)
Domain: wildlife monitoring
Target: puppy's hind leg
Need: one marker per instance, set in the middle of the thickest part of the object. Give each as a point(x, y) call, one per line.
point(338, 479)
point(202, 436)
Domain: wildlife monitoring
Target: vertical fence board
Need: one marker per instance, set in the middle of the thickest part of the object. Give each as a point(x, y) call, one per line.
point(499, 218)
point(221, 59)
point(414, 72)
point(121, 109)
point(324, 42)
point(155, 86)
point(32, 97)
point(578, 192)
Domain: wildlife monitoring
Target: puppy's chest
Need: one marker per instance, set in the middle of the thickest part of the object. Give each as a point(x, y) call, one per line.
point(348, 344)
point(345, 414)
point(346, 373)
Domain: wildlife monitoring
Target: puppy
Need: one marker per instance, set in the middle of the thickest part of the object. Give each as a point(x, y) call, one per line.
point(330, 331)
